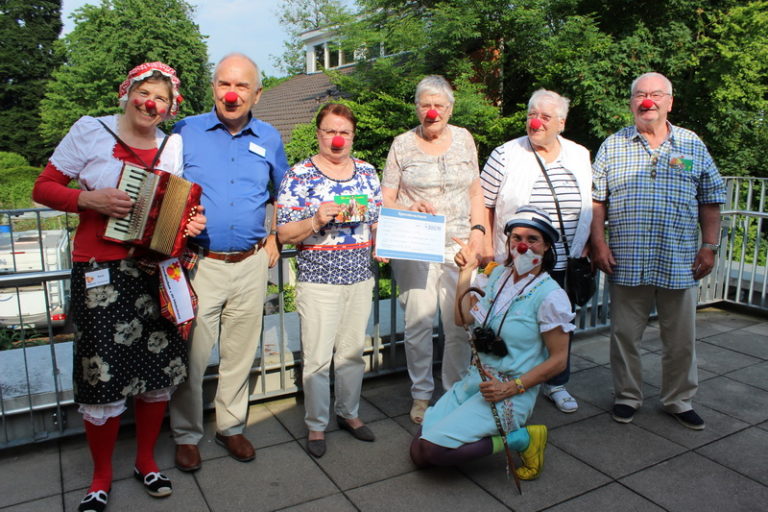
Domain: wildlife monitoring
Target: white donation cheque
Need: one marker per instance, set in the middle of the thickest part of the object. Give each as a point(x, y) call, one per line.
point(407, 235)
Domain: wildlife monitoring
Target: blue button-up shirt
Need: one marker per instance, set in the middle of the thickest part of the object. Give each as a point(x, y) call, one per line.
point(239, 173)
point(653, 200)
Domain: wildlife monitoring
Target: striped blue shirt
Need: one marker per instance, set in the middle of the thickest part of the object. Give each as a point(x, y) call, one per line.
point(653, 198)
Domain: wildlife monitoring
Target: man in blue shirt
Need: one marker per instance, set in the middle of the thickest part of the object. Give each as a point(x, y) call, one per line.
point(239, 161)
point(656, 184)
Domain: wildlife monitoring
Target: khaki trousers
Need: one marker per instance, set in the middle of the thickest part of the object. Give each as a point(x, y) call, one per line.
point(231, 303)
point(630, 309)
point(423, 288)
point(333, 321)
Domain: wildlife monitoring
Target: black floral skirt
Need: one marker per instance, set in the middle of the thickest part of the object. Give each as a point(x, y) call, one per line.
point(123, 346)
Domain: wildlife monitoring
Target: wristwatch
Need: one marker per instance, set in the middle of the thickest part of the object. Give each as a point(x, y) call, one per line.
point(711, 247)
point(478, 227)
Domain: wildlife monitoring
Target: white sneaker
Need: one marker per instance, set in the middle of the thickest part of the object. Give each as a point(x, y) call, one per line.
point(561, 398)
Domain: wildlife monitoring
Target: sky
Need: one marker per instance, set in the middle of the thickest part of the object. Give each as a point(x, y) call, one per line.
point(247, 26)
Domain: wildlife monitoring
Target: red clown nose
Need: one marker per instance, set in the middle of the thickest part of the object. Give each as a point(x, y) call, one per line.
point(150, 105)
point(337, 142)
point(231, 97)
point(535, 123)
point(647, 103)
point(522, 247)
point(432, 114)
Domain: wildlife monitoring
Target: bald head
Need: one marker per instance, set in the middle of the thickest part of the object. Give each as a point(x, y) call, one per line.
point(236, 76)
point(242, 60)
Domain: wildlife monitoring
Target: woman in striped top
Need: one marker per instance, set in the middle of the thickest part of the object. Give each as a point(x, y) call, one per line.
point(513, 177)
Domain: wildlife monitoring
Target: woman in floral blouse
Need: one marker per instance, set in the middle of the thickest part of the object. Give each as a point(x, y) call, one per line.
point(123, 346)
point(328, 206)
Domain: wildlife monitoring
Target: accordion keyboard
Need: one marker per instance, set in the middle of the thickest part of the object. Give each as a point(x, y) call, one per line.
point(140, 187)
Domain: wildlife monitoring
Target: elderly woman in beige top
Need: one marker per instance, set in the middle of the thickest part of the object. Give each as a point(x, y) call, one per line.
point(433, 169)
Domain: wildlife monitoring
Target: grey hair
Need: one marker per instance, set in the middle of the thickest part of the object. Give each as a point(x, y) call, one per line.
point(561, 103)
point(648, 75)
point(434, 84)
point(242, 56)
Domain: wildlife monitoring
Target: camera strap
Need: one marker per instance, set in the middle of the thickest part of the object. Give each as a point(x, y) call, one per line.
point(495, 297)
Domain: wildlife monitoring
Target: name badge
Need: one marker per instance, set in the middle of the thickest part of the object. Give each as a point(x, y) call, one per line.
point(96, 278)
point(255, 148)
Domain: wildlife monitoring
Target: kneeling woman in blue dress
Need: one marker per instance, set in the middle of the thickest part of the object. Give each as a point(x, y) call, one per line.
point(521, 326)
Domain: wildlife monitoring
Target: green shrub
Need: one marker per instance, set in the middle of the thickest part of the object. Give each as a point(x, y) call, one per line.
point(8, 160)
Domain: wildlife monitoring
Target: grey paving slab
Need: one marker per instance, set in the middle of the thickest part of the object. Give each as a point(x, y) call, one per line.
point(694, 483)
point(281, 476)
point(263, 429)
point(706, 327)
point(290, 415)
point(404, 420)
point(727, 320)
point(433, 490)
point(393, 397)
point(563, 477)
point(745, 452)
point(720, 360)
point(610, 497)
point(759, 329)
point(742, 341)
point(50, 504)
point(595, 349)
point(755, 375)
point(613, 448)
point(579, 363)
point(718, 426)
point(351, 463)
point(335, 503)
point(596, 387)
point(128, 495)
point(29, 473)
point(546, 413)
point(742, 401)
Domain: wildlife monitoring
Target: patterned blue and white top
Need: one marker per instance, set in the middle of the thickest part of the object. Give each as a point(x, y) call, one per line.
point(653, 198)
point(341, 252)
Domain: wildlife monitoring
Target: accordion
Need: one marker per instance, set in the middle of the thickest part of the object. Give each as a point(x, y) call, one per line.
point(163, 206)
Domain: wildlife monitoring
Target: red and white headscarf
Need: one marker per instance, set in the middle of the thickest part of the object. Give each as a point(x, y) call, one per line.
point(144, 71)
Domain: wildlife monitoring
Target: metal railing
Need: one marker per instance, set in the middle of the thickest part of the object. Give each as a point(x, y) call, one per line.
point(35, 381)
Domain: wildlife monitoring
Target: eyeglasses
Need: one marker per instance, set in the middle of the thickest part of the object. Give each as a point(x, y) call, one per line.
point(437, 106)
point(333, 133)
point(545, 118)
point(654, 95)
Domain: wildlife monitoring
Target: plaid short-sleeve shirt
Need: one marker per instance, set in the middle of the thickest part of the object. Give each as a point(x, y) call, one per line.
point(653, 198)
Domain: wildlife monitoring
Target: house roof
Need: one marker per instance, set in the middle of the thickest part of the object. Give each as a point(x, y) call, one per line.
point(295, 101)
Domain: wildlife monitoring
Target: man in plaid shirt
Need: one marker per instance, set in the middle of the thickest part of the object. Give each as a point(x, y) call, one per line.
point(656, 184)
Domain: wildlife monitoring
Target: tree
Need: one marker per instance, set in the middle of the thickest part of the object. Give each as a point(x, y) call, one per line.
point(110, 39)
point(299, 16)
point(497, 52)
point(28, 31)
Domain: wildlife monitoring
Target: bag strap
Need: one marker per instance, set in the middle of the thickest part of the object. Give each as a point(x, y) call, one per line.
point(132, 152)
point(554, 196)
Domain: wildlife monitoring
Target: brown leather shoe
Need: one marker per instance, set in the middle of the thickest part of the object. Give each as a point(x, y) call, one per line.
point(188, 457)
point(238, 446)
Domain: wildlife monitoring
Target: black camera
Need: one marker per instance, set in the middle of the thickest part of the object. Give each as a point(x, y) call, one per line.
point(488, 342)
